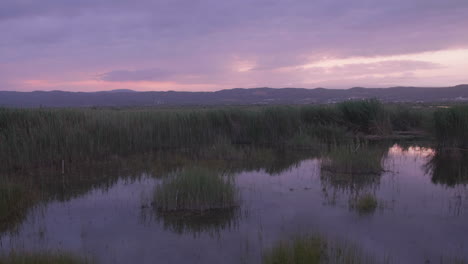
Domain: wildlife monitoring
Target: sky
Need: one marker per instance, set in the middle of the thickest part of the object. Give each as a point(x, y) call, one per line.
point(207, 45)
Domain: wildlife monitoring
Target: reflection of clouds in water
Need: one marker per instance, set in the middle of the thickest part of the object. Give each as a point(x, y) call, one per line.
point(111, 224)
point(398, 150)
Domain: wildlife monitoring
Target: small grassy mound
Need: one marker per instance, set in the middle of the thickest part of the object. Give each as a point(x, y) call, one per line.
point(42, 258)
point(195, 189)
point(314, 250)
point(366, 204)
point(15, 201)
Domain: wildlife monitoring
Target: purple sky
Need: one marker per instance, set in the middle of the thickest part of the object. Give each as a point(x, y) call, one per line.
point(88, 45)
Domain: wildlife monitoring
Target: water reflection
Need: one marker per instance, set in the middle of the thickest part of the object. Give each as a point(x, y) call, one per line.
point(98, 212)
point(50, 184)
point(195, 223)
point(449, 167)
point(351, 170)
point(196, 199)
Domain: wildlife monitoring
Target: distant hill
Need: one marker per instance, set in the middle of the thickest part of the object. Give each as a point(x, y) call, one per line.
point(229, 97)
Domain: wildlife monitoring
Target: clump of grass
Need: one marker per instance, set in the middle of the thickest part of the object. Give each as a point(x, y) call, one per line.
point(42, 258)
point(15, 201)
point(314, 249)
point(300, 250)
point(451, 126)
point(195, 189)
point(354, 159)
point(365, 204)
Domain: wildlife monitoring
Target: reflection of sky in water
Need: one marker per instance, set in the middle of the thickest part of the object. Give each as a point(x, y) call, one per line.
point(418, 219)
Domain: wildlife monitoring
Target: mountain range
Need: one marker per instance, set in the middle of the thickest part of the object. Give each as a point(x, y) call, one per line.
point(237, 96)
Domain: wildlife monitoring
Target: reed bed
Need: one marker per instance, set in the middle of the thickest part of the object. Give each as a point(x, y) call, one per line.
point(44, 137)
point(451, 126)
point(368, 116)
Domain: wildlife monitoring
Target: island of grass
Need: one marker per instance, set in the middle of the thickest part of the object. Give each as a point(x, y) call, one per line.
point(195, 190)
point(365, 204)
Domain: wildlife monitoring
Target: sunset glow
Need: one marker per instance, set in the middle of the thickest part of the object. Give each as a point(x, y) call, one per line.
point(211, 45)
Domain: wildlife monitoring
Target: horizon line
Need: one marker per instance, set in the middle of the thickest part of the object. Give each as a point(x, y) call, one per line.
point(237, 88)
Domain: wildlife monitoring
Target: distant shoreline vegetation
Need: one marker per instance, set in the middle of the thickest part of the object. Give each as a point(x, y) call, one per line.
point(32, 138)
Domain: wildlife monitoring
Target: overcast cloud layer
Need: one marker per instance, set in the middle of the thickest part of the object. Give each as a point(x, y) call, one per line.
point(88, 45)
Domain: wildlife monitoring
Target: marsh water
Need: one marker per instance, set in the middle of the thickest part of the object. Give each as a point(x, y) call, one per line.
point(422, 213)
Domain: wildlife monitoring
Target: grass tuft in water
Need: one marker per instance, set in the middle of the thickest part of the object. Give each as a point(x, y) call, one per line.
point(354, 159)
point(42, 258)
point(315, 249)
point(307, 249)
point(195, 189)
point(365, 204)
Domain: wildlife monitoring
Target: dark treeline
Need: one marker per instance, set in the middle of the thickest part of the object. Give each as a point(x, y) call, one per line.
point(45, 137)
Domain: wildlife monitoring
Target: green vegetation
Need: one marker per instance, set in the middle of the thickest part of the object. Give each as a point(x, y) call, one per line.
point(368, 116)
point(451, 126)
point(195, 189)
point(314, 250)
point(365, 204)
point(15, 201)
point(352, 170)
point(37, 138)
point(354, 159)
point(42, 258)
point(406, 118)
point(196, 200)
point(45, 137)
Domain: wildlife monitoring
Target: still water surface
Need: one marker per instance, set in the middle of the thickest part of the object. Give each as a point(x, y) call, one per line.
point(420, 216)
